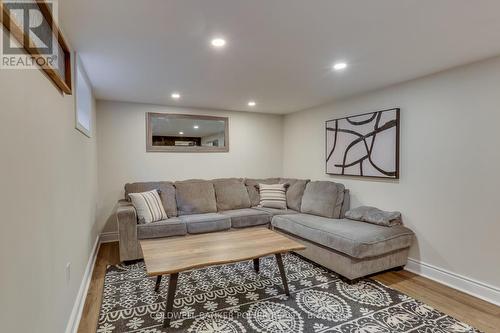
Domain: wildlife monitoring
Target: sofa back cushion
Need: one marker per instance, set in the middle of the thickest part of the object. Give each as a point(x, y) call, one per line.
point(195, 197)
point(253, 192)
point(323, 198)
point(346, 205)
point(294, 192)
point(231, 194)
point(166, 190)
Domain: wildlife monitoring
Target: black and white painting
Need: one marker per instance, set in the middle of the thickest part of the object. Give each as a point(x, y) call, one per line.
point(364, 145)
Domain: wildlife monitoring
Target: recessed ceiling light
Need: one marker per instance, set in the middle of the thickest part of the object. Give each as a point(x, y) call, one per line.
point(175, 95)
point(181, 133)
point(252, 103)
point(218, 42)
point(339, 66)
point(196, 126)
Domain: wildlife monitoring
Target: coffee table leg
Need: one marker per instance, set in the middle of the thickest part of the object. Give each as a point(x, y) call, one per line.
point(158, 281)
point(282, 273)
point(256, 265)
point(172, 285)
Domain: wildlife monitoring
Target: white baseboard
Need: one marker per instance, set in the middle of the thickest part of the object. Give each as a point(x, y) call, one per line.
point(76, 312)
point(467, 285)
point(108, 237)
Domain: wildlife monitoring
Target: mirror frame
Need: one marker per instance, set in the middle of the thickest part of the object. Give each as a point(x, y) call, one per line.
point(183, 149)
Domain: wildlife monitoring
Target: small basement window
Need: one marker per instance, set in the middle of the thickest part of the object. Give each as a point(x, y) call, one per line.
point(83, 99)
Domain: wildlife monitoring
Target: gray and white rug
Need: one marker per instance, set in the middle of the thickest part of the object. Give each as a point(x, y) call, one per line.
point(234, 298)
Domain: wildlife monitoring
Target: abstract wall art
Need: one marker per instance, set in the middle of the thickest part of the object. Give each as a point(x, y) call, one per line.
point(364, 145)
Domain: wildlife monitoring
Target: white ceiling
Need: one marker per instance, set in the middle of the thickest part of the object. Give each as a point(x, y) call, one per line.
point(278, 53)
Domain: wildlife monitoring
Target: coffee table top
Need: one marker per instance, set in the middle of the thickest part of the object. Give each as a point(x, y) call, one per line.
point(176, 254)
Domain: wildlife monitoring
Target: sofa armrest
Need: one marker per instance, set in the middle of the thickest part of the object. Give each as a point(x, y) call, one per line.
point(127, 231)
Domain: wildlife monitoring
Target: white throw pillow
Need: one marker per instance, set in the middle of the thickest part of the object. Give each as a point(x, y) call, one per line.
point(148, 206)
point(273, 196)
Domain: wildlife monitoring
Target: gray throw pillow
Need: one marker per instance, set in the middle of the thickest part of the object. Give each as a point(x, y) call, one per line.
point(323, 198)
point(374, 215)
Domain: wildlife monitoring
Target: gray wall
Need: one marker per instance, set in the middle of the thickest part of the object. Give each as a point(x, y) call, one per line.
point(450, 157)
point(255, 150)
point(48, 203)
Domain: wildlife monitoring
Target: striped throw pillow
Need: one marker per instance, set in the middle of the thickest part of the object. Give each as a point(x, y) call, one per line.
point(148, 206)
point(273, 196)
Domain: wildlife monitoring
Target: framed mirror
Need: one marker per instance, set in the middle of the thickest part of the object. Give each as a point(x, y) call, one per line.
point(168, 132)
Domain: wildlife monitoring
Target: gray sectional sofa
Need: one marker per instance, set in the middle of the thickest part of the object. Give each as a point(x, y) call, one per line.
point(315, 217)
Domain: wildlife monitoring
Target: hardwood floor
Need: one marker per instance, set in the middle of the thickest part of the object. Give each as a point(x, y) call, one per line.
point(483, 315)
point(108, 255)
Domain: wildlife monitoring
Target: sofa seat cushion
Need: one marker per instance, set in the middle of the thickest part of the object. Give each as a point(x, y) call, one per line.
point(241, 218)
point(354, 238)
point(165, 228)
point(231, 194)
point(195, 197)
point(275, 211)
point(201, 223)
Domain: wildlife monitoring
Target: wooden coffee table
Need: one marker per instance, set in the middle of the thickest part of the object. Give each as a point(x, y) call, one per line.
point(177, 254)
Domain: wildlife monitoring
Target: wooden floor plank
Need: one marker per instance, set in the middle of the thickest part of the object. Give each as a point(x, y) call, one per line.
point(107, 255)
point(482, 315)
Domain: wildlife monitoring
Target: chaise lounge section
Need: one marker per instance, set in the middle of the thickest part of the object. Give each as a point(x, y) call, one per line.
point(314, 216)
point(352, 249)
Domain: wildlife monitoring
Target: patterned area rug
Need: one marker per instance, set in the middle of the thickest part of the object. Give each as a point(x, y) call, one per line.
point(234, 298)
